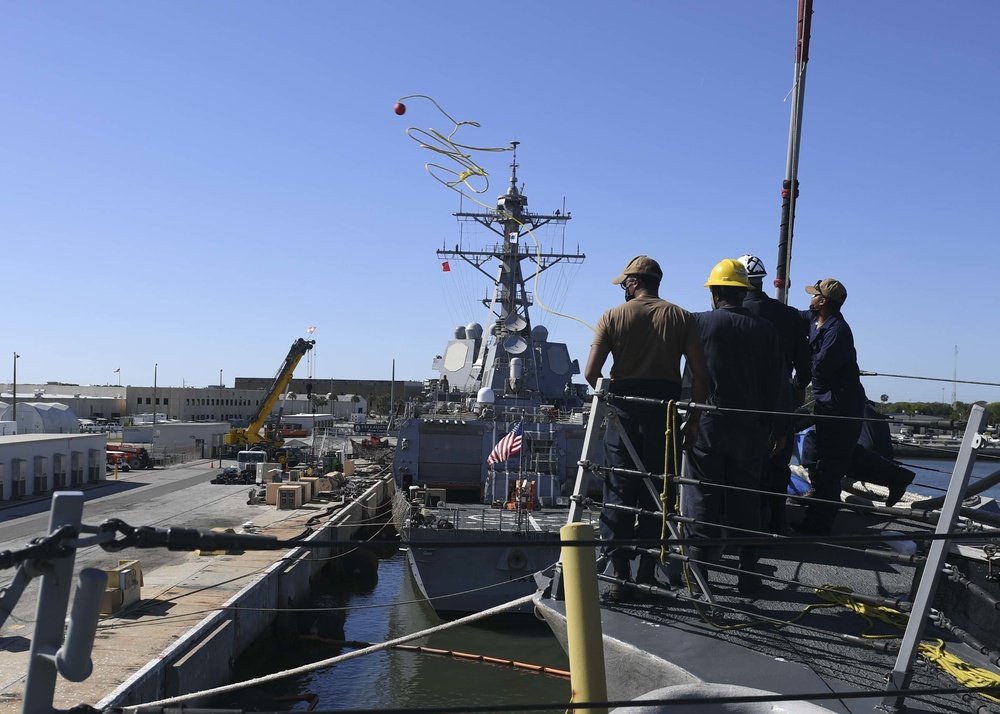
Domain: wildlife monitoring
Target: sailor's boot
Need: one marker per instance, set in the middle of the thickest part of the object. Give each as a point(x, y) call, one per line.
point(622, 571)
point(646, 573)
point(901, 479)
point(748, 580)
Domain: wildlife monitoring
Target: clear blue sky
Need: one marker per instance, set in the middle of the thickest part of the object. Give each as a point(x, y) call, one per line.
point(193, 184)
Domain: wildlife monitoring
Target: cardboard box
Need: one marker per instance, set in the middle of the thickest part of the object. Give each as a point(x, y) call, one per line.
point(271, 495)
point(323, 483)
point(289, 496)
point(124, 586)
point(313, 482)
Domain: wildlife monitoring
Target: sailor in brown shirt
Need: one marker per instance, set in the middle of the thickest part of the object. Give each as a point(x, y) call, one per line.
point(647, 337)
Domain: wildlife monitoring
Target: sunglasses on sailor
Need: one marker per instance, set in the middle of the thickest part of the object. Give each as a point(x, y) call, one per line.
point(630, 280)
point(818, 293)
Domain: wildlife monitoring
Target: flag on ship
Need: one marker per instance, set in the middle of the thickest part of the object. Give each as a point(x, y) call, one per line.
point(311, 330)
point(508, 446)
point(117, 371)
point(445, 267)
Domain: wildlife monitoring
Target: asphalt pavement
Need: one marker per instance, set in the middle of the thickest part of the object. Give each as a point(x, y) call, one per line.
point(178, 496)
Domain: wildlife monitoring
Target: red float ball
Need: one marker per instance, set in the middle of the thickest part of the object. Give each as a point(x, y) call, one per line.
point(400, 108)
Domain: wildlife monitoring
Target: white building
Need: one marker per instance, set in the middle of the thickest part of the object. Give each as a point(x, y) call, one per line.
point(198, 440)
point(38, 464)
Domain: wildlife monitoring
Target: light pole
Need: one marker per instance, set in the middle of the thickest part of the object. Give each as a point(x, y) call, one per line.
point(222, 386)
point(13, 401)
point(155, 367)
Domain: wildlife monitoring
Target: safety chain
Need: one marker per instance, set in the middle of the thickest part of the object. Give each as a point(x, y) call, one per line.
point(54, 545)
point(130, 535)
point(114, 535)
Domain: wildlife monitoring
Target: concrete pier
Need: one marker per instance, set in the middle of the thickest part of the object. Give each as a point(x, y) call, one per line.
point(197, 613)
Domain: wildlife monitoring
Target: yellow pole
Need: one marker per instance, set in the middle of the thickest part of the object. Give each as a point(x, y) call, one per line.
point(116, 471)
point(583, 618)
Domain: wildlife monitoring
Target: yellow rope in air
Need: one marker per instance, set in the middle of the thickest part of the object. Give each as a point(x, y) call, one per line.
point(462, 154)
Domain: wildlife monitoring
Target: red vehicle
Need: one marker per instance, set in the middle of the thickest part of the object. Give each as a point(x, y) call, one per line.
point(136, 456)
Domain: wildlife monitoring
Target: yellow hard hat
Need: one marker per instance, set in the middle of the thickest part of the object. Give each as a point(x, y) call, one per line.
point(729, 273)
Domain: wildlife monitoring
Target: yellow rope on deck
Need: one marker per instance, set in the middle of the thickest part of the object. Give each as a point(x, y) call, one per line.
point(933, 650)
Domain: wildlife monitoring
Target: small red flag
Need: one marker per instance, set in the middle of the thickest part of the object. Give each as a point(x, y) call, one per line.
point(445, 267)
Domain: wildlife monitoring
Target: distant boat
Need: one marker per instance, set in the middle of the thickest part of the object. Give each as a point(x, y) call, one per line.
point(937, 449)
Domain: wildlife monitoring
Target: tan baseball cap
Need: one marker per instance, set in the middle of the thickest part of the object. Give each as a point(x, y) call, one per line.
point(830, 288)
point(640, 265)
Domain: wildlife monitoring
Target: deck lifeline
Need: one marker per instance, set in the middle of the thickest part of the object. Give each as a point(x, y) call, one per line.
point(137, 650)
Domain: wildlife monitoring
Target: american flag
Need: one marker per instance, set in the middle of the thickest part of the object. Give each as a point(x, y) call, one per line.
point(508, 446)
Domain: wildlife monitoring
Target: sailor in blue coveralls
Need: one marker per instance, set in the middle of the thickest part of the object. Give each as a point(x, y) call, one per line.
point(795, 350)
point(837, 390)
point(746, 371)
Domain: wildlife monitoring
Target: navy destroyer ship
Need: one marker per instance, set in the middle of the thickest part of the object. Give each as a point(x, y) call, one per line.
point(493, 446)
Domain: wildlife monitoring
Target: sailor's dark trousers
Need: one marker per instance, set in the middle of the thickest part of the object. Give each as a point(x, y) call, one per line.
point(730, 450)
point(645, 425)
point(835, 442)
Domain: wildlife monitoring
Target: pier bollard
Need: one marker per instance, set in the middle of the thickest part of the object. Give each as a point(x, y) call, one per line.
point(583, 618)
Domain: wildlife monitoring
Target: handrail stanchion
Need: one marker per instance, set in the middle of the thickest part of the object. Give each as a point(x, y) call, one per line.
point(899, 678)
point(583, 618)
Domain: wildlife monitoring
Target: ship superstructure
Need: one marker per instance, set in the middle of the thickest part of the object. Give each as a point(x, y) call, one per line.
point(492, 378)
point(490, 382)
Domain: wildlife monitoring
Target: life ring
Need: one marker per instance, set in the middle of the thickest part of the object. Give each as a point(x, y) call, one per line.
point(517, 560)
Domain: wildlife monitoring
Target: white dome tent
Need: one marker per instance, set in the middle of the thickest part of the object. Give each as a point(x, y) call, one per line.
point(41, 418)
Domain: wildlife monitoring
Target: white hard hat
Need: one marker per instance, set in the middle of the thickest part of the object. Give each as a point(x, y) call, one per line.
point(754, 265)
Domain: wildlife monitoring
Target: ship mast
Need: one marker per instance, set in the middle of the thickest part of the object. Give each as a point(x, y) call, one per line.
point(510, 302)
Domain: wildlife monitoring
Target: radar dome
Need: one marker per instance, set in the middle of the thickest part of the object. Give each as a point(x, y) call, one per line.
point(485, 396)
point(459, 333)
point(539, 333)
point(473, 330)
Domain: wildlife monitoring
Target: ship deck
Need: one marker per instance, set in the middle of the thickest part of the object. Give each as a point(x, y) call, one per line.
point(785, 638)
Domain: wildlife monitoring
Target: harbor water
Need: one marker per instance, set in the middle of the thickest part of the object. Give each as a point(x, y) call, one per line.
point(400, 679)
point(933, 475)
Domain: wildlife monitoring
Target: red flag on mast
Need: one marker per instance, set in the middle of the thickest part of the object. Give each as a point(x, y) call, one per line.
point(445, 267)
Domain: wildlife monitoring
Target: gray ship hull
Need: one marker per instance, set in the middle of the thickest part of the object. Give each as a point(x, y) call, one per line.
point(459, 573)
